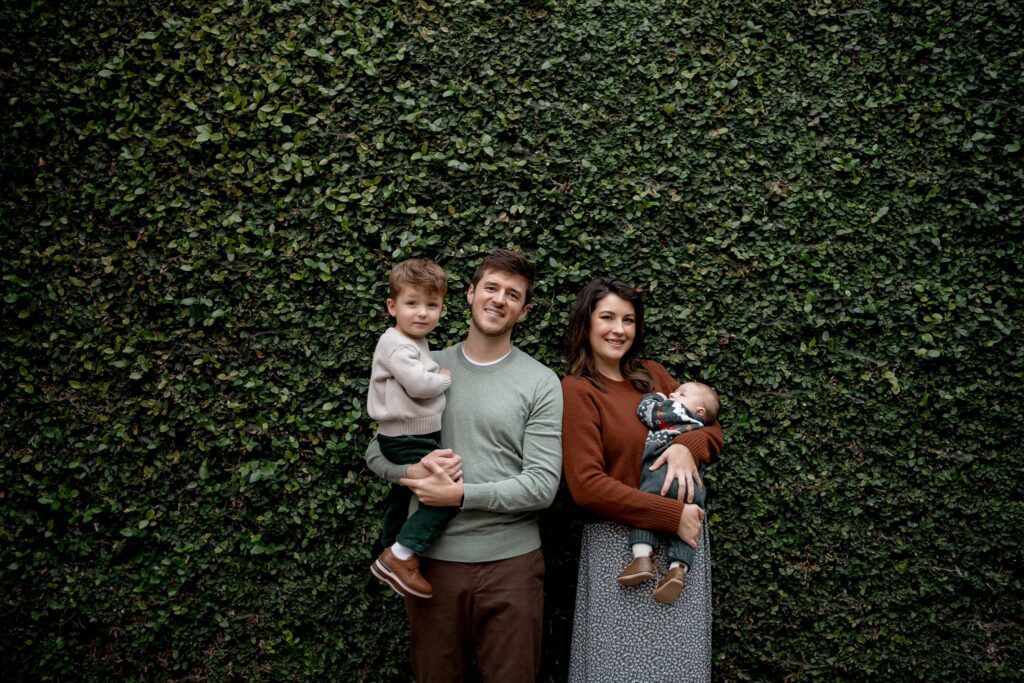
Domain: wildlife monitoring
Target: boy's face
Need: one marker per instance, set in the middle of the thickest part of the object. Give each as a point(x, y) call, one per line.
point(690, 395)
point(416, 311)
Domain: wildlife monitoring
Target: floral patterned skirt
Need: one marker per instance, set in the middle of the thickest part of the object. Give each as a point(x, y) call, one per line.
point(621, 635)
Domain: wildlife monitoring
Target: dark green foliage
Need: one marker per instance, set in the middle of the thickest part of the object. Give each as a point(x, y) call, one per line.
point(201, 200)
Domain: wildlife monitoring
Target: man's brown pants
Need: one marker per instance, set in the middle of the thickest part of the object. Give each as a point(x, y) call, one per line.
point(492, 609)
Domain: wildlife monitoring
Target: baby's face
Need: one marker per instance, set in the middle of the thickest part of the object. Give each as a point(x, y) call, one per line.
point(690, 395)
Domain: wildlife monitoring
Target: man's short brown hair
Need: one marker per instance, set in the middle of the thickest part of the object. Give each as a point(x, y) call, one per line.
point(420, 273)
point(510, 263)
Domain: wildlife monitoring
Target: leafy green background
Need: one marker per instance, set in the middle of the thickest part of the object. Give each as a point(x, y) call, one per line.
point(200, 199)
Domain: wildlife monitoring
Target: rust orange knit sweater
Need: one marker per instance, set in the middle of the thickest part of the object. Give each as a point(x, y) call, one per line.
point(602, 441)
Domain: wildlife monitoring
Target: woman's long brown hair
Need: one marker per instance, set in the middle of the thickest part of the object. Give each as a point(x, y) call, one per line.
point(579, 356)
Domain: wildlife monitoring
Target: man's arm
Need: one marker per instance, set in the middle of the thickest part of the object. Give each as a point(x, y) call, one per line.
point(381, 466)
point(442, 459)
point(534, 488)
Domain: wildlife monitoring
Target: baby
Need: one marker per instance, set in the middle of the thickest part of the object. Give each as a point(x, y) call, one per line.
point(691, 406)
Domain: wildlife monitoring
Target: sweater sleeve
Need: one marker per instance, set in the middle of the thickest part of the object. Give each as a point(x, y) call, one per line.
point(705, 444)
point(585, 471)
point(534, 488)
point(647, 409)
point(407, 366)
point(381, 466)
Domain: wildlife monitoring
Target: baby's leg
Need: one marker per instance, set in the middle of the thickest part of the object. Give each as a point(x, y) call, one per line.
point(641, 568)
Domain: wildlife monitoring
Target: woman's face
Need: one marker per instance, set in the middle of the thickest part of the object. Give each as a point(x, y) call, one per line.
point(612, 328)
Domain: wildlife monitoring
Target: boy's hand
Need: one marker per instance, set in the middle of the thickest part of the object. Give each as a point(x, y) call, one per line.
point(443, 458)
point(445, 372)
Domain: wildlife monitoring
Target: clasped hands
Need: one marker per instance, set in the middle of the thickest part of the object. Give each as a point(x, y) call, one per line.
point(436, 479)
point(682, 468)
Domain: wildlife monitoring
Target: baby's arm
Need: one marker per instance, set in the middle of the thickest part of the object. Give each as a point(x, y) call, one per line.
point(649, 408)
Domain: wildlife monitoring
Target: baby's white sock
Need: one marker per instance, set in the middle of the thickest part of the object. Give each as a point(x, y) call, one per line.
point(677, 563)
point(642, 549)
point(401, 552)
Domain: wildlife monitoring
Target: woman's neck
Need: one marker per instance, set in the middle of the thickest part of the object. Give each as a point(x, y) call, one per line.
point(610, 370)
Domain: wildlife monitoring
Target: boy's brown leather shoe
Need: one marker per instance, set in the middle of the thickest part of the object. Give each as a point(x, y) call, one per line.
point(402, 575)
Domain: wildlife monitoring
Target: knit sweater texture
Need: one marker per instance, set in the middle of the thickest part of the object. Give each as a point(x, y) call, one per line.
point(603, 442)
point(505, 421)
point(406, 395)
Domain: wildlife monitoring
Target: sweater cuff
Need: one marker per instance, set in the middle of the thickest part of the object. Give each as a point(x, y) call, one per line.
point(668, 512)
point(446, 383)
point(475, 496)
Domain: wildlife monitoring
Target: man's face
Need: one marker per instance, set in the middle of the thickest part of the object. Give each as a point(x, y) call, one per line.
point(497, 302)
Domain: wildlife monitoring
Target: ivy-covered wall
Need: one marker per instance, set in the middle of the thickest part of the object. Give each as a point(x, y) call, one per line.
point(200, 201)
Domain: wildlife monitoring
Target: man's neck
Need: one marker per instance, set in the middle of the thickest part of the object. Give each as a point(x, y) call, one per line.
point(483, 349)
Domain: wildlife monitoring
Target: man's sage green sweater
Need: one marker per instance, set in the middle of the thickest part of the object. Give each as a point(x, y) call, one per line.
point(505, 420)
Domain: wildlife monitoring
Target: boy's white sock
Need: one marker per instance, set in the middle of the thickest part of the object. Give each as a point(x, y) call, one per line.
point(677, 563)
point(401, 552)
point(642, 549)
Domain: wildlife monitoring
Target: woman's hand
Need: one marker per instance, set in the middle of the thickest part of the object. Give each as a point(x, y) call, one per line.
point(690, 525)
point(681, 467)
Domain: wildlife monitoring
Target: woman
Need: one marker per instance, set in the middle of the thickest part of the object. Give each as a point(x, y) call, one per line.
point(621, 633)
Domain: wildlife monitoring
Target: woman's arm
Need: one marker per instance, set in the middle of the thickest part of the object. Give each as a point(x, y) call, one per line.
point(585, 469)
point(682, 464)
point(705, 444)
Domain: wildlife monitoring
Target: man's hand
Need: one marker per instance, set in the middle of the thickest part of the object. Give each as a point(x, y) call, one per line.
point(681, 467)
point(445, 372)
point(437, 488)
point(444, 458)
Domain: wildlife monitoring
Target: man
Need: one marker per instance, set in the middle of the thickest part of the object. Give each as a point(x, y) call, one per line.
point(500, 463)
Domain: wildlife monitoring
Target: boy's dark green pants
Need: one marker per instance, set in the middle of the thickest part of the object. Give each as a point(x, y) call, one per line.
point(427, 523)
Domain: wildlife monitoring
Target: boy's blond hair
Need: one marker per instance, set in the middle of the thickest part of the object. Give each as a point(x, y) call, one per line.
point(420, 273)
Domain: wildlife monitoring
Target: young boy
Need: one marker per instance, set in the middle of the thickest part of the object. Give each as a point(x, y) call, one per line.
point(406, 398)
point(691, 406)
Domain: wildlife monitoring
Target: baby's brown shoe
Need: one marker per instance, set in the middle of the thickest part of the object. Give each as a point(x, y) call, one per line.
point(638, 571)
point(671, 585)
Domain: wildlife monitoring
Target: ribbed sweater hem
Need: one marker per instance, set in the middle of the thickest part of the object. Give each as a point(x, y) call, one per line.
point(412, 426)
point(490, 545)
